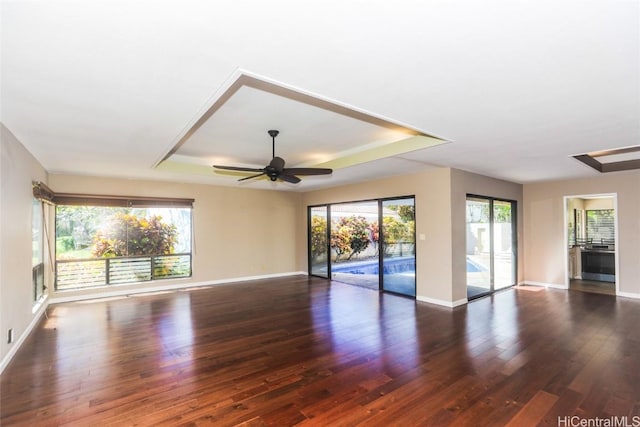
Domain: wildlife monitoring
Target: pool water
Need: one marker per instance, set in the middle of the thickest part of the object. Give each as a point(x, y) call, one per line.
point(474, 267)
point(391, 266)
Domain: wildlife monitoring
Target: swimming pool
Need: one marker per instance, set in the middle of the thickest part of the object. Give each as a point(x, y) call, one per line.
point(391, 266)
point(474, 267)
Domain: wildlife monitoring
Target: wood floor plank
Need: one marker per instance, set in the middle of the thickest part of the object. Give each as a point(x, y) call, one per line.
point(535, 409)
point(308, 351)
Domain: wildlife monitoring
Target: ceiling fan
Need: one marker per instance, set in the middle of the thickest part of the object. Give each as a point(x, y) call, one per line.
point(275, 169)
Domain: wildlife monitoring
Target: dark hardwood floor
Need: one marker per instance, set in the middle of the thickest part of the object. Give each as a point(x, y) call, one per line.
point(306, 351)
point(605, 288)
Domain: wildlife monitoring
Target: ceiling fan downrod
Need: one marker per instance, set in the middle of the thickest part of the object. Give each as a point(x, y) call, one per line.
point(273, 133)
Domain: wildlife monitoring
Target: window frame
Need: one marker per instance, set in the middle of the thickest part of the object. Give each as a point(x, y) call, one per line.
point(45, 194)
point(37, 265)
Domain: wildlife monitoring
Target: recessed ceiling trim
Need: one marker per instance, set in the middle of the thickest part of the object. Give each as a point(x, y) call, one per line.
point(244, 78)
point(378, 152)
point(591, 159)
point(231, 86)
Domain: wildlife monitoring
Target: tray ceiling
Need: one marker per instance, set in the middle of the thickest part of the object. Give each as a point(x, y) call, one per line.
point(314, 131)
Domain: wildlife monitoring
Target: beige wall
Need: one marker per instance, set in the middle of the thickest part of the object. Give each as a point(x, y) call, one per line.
point(545, 248)
point(239, 232)
point(595, 204)
point(18, 170)
point(440, 217)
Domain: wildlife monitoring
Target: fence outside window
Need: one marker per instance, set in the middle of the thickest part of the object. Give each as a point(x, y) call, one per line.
point(97, 272)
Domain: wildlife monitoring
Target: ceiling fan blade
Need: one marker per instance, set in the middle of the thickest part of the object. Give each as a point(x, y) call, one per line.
point(277, 163)
point(289, 178)
point(275, 169)
point(236, 168)
point(250, 177)
point(308, 171)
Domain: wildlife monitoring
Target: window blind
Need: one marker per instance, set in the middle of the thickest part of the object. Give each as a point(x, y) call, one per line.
point(601, 226)
point(120, 201)
point(44, 193)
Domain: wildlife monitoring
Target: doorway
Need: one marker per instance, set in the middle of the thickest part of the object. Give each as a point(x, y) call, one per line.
point(591, 236)
point(491, 245)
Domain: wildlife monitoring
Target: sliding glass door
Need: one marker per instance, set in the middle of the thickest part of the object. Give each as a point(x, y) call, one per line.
point(504, 259)
point(491, 245)
point(318, 241)
point(369, 244)
point(398, 255)
point(478, 247)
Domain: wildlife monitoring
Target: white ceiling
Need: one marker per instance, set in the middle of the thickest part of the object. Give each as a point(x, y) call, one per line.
point(110, 87)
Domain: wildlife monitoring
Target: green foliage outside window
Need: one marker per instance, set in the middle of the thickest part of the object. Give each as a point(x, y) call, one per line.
point(350, 235)
point(130, 235)
point(394, 232)
point(84, 232)
point(318, 236)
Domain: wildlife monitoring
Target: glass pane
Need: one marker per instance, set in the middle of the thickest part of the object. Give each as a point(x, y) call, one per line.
point(36, 233)
point(131, 244)
point(318, 252)
point(478, 247)
point(398, 253)
point(503, 261)
point(354, 244)
point(600, 227)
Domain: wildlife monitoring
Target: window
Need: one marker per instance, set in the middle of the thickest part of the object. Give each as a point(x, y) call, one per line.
point(103, 241)
point(37, 246)
point(600, 226)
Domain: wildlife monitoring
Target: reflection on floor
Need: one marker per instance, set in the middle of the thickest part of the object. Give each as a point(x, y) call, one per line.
point(369, 281)
point(399, 283)
point(476, 291)
point(605, 288)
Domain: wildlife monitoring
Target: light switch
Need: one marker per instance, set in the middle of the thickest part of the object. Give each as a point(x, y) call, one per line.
point(422, 237)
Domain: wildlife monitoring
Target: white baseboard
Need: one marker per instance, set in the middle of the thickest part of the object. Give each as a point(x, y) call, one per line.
point(546, 285)
point(628, 295)
point(449, 304)
point(176, 286)
point(23, 336)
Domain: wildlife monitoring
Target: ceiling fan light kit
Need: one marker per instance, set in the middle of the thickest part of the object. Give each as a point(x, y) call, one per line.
point(275, 170)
